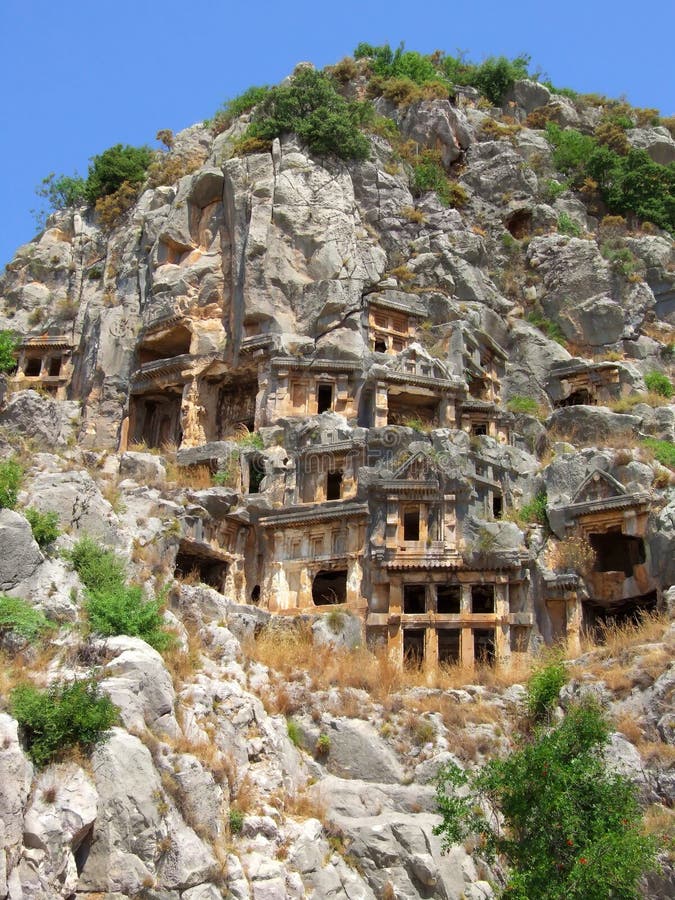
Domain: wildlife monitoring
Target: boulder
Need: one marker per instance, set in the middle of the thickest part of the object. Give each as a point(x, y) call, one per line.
point(527, 95)
point(20, 557)
point(16, 774)
point(437, 125)
point(136, 680)
point(145, 468)
point(78, 502)
point(592, 424)
point(657, 141)
point(51, 423)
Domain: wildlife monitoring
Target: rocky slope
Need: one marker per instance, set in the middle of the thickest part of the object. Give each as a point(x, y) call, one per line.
point(203, 790)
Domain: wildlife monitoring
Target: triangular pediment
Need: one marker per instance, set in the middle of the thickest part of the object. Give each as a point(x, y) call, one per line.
point(419, 467)
point(417, 362)
point(598, 485)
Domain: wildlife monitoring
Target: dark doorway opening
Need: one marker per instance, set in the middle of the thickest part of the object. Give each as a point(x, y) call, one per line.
point(414, 599)
point(32, 368)
point(479, 430)
point(497, 506)
point(482, 598)
point(255, 595)
point(333, 485)
point(519, 223)
point(578, 398)
point(55, 366)
point(324, 398)
point(616, 552)
point(380, 347)
point(484, 646)
point(411, 524)
point(448, 646)
point(329, 586)
point(448, 599)
point(413, 647)
point(256, 473)
point(190, 565)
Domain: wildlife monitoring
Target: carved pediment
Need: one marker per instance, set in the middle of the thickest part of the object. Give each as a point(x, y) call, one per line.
point(598, 486)
point(415, 361)
point(419, 467)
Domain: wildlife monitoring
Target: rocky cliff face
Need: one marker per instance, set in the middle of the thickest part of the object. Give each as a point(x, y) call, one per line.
point(306, 384)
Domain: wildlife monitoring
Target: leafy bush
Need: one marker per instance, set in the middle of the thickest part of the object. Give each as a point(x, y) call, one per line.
point(236, 107)
point(322, 745)
point(535, 510)
point(20, 617)
point(526, 405)
point(659, 383)
point(551, 329)
point(236, 820)
point(294, 733)
point(572, 828)
point(664, 451)
point(311, 107)
point(543, 689)
point(11, 474)
point(629, 182)
point(62, 716)
point(45, 526)
point(112, 207)
point(114, 607)
point(429, 175)
point(8, 344)
point(60, 192)
point(115, 166)
point(566, 225)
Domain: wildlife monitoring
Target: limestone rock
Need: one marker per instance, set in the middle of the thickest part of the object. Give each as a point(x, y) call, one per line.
point(437, 125)
point(20, 555)
point(657, 141)
point(142, 467)
point(78, 502)
point(51, 423)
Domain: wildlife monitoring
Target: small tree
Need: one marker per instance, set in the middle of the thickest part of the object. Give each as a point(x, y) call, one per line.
point(63, 716)
point(571, 828)
point(8, 344)
point(109, 170)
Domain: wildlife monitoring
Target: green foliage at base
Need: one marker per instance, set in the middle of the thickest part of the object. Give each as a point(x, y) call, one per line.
point(11, 475)
point(429, 175)
point(520, 404)
point(236, 820)
point(310, 106)
point(21, 618)
point(113, 606)
point(45, 526)
point(543, 689)
point(294, 733)
point(62, 716)
point(660, 384)
point(8, 344)
point(551, 329)
point(535, 510)
point(664, 451)
point(572, 828)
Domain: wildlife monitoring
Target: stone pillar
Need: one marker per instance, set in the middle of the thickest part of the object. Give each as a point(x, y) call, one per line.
point(396, 598)
point(381, 405)
point(466, 651)
point(573, 630)
point(430, 648)
point(465, 600)
point(395, 644)
point(502, 628)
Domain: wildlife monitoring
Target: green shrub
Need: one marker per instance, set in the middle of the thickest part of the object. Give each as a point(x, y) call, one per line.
point(115, 166)
point(571, 150)
point(236, 820)
point(543, 689)
point(566, 225)
point(519, 404)
point(113, 606)
point(62, 191)
point(11, 475)
point(45, 526)
point(429, 175)
point(294, 733)
point(660, 384)
point(664, 451)
point(8, 344)
point(551, 329)
point(311, 107)
point(572, 827)
point(237, 106)
point(21, 618)
point(62, 716)
point(322, 745)
point(535, 510)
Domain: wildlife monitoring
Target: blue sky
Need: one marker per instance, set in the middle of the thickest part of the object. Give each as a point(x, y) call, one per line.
point(81, 75)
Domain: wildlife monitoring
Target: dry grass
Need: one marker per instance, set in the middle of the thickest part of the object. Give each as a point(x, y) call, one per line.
point(659, 820)
point(657, 753)
point(195, 477)
point(626, 404)
point(613, 638)
point(183, 664)
point(308, 803)
point(629, 727)
point(289, 650)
